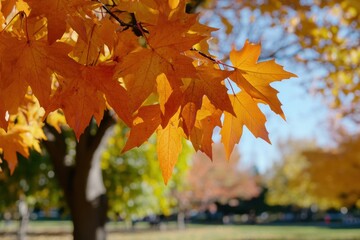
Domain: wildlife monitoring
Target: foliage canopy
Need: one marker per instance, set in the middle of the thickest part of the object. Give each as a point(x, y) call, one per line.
point(146, 60)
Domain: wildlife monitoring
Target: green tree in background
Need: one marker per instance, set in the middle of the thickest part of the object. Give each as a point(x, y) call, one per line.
point(35, 179)
point(134, 186)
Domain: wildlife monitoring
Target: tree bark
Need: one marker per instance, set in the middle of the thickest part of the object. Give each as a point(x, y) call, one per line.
point(82, 183)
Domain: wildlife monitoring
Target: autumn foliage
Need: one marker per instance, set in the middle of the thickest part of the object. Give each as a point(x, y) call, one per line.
point(211, 182)
point(146, 60)
point(309, 174)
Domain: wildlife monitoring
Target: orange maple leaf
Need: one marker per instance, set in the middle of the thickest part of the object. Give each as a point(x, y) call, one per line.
point(11, 98)
point(10, 144)
point(145, 123)
point(140, 76)
point(32, 61)
point(164, 54)
point(84, 96)
point(3, 112)
point(255, 77)
point(208, 117)
point(209, 82)
point(169, 146)
point(247, 113)
point(142, 9)
point(57, 13)
point(93, 37)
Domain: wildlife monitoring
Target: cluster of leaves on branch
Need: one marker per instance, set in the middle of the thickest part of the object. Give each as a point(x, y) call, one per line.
point(147, 60)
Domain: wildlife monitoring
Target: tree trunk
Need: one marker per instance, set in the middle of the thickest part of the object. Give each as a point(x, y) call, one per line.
point(24, 218)
point(181, 220)
point(87, 200)
point(89, 218)
point(82, 182)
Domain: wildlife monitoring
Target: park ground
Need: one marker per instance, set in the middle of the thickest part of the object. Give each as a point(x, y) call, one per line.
point(62, 231)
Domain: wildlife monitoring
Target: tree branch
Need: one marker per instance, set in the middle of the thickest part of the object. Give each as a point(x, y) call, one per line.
point(107, 121)
point(134, 25)
point(89, 142)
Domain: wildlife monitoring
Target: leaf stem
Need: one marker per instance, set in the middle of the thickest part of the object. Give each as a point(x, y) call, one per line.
point(122, 23)
point(23, 15)
point(89, 44)
point(211, 58)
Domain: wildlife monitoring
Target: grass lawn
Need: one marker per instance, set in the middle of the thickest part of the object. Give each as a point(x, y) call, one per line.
point(52, 231)
point(242, 232)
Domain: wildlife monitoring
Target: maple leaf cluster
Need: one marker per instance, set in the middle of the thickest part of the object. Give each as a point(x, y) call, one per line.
point(147, 60)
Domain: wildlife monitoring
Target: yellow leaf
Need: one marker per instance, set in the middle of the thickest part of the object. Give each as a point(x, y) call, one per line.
point(169, 147)
point(56, 119)
point(173, 3)
point(164, 90)
point(10, 144)
point(207, 118)
point(248, 114)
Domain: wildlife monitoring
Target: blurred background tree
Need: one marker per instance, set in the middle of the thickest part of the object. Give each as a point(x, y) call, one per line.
point(219, 181)
point(134, 186)
point(288, 181)
point(312, 175)
point(33, 178)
